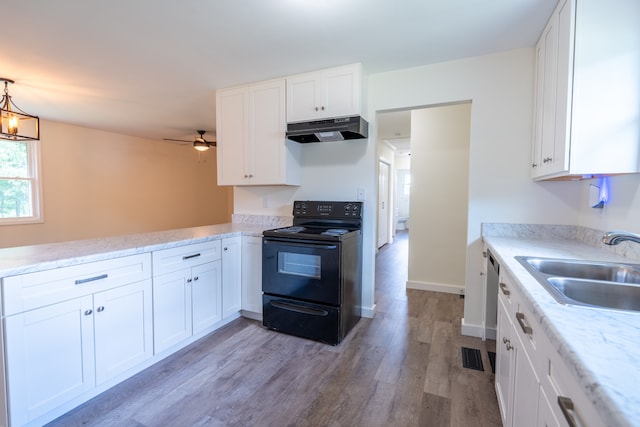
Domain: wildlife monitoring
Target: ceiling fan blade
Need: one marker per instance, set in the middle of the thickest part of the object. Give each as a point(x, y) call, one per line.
point(177, 140)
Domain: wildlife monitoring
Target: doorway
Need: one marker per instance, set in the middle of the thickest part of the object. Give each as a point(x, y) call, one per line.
point(384, 199)
point(436, 189)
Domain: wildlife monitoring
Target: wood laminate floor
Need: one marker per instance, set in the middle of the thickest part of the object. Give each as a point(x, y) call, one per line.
point(401, 368)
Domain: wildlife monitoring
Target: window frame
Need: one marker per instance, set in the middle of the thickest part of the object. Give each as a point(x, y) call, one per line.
point(37, 211)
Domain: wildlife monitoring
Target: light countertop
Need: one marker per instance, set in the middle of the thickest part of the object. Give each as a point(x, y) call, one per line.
point(600, 347)
point(27, 259)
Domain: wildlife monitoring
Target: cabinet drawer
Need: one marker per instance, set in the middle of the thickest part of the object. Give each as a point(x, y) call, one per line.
point(566, 397)
point(527, 328)
point(174, 259)
point(33, 290)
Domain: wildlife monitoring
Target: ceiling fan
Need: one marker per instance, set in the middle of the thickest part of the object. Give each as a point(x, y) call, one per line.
point(199, 143)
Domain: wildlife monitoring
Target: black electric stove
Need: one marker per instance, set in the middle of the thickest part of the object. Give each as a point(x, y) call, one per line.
point(311, 271)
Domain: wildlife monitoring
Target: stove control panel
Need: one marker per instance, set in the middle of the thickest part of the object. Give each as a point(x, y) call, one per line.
point(327, 209)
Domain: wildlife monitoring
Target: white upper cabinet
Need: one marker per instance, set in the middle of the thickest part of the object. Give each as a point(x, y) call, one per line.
point(251, 143)
point(334, 92)
point(587, 96)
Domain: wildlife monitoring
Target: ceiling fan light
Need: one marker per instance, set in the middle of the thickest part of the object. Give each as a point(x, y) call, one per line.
point(200, 145)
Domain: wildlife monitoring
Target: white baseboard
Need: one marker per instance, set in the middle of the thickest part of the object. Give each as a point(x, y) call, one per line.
point(472, 330)
point(368, 311)
point(436, 287)
point(251, 315)
point(491, 333)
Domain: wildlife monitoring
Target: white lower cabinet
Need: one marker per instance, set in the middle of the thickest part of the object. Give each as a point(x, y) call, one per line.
point(57, 352)
point(533, 385)
point(73, 332)
point(504, 363)
point(186, 301)
point(50, 358)
point(231, 276)
point(252, 275)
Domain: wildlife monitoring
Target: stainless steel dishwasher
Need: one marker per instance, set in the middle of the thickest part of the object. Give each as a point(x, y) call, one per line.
point(491, 293)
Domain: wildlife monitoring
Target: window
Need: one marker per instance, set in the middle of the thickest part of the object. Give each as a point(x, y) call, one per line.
point(19, 184)
point(406, 185)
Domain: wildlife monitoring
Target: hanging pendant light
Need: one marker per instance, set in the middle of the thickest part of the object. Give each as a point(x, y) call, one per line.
point(15, 124)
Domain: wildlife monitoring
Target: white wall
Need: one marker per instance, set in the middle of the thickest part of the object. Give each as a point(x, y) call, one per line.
point(623, 210)
point(439, 197)
point(98, 184)
point(500, 87)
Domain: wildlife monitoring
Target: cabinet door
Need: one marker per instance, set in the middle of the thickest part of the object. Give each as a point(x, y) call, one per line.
point(49, 357)
point(341, 94)
point(526, 387)
point(267, 128)
point(563, 87)
point(546, 417)
point(206, 295)
point(252, 274)
point(123, 329)
point(303, 97)
point(504, 362)
point(232, 134)
point(171, 309)
point(231, 276)
point(548, 82)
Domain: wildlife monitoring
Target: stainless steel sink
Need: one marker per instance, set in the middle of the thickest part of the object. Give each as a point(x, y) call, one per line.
point(601, 294)
point(588, 283)
point(612, 272)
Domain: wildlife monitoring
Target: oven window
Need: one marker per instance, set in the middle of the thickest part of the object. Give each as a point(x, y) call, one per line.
point(299, 264)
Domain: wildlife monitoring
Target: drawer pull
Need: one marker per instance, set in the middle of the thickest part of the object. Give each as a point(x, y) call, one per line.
point(566, 406)
point(504, 289)
point(186, 257)
point(88, 312)
point(525, 328)
point(100, 309)
point(91, 279)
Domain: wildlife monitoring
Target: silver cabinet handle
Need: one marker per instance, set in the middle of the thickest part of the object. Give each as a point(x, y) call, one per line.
point(507, 343)
point(226, 249)
point(504, 289)
point(566, 406)
point(91, 279)
point(88, 312)
point(100, 309)
point(322, 108)
point(525, 328)
point(186, 257)
point(195, 278)
point(189, 280)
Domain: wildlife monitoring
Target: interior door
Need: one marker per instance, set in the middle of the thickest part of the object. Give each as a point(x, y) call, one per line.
point(383, 202)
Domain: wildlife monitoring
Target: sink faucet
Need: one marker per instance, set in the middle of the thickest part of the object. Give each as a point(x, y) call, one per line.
point(615, 237)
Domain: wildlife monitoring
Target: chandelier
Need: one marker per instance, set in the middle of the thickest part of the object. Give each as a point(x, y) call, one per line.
point(15, 124)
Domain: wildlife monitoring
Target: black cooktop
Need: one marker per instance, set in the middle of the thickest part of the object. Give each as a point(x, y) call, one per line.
point(322, 221)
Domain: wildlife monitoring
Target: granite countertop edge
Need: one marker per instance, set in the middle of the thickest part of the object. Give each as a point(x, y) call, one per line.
point(34, 258)
point(608, 375)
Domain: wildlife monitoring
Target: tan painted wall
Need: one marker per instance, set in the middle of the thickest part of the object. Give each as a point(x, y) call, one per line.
point(439, 195)
point(98, 184)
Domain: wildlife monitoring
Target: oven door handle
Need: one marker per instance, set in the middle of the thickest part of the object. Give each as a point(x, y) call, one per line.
point(300, 245)
point(299, 309)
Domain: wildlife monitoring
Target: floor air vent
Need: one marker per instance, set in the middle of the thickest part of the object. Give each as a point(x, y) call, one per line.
point(472, 359)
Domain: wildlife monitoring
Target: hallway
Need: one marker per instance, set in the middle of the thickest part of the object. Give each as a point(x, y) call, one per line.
point(401, 368)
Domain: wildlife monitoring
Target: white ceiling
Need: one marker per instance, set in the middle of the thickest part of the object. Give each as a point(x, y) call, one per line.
point(150, 68)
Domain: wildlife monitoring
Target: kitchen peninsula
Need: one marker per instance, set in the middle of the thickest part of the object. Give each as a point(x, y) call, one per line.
point(82, 316)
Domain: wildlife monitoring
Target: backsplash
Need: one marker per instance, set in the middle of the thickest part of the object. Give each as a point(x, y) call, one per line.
point(585, 235)
point(267, 220)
